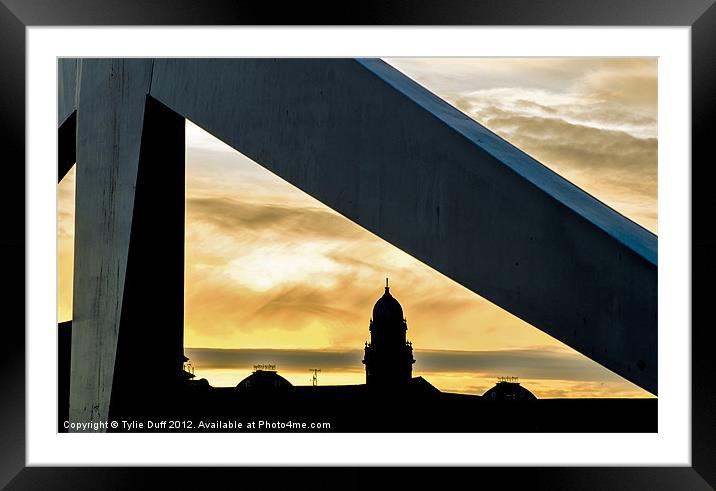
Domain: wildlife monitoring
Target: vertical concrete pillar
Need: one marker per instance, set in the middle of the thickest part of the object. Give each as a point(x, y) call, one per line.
point(66, 145)
point(68, 70)
point(109, 128)
point(150, 345)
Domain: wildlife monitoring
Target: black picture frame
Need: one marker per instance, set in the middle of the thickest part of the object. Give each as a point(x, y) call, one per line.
point(17, 15)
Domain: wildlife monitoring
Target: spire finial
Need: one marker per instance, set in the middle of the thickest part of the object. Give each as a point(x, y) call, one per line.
point(387, 288)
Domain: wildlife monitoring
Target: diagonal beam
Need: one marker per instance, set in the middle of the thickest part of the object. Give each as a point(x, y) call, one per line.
point(391, 156)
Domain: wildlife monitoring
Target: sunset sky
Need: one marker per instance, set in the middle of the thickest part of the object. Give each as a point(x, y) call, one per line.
point(274, 276)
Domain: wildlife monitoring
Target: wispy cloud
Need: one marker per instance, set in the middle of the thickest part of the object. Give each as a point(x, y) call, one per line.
point(594, 121)
point(546, 371)
point(532, 363)
point(236, 217)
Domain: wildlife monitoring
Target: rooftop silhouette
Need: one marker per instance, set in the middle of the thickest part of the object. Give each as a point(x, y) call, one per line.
point(391, 399)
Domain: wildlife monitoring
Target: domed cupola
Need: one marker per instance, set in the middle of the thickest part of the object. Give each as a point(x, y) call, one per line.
point(387, 309)
point(389, 356)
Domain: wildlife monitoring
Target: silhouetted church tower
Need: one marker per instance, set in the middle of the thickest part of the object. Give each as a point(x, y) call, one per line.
point(389, 356)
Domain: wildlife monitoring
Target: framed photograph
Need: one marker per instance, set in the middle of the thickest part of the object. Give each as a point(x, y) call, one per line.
point(433, 241)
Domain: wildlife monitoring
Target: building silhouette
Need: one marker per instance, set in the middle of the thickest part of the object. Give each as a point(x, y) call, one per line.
point(391, 400)
point(389, 355)
point(508, 389)
point(263, 380)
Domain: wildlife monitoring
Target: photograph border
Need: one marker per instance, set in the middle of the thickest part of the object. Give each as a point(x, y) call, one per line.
point(17, 15)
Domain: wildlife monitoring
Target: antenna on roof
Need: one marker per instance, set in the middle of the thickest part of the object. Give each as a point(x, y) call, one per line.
point(314, 379)
point(386, 285)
